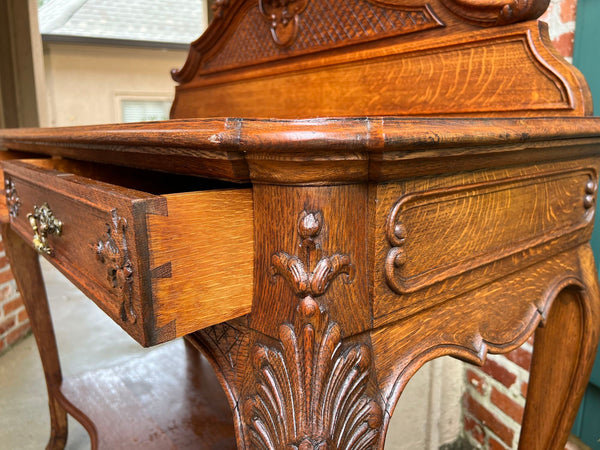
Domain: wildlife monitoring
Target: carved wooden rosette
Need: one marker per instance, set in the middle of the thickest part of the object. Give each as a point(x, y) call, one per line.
point(283, 18)
point(312, 390)
point(12, 198)
point(113, 252)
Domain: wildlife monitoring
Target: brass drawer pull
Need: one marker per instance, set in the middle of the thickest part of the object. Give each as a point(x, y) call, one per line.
point(43, 223)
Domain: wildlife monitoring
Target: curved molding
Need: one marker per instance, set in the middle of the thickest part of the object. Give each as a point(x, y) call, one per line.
point(479, 345)
point(228, 14)
point(408, 270)
point(497, 12)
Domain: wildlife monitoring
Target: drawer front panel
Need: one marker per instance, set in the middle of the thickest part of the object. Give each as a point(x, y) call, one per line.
point(96, 248)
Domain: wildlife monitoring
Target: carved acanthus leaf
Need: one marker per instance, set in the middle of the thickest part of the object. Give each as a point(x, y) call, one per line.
point(497, 12)
point(310, 273)
point(311, 390)
point(283, 18)
point(112, 251)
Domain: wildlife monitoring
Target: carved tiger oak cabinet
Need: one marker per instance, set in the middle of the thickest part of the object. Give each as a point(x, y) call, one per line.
point(346, 190)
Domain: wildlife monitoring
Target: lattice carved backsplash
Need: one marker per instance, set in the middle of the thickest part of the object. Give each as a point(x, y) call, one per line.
point(324, 24)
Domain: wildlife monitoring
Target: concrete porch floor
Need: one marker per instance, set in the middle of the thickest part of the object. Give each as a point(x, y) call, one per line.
point(87, 340)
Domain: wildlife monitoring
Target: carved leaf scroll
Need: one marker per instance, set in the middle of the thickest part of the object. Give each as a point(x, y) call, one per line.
point(283, 18)
point(112, 251)
point(13, 202)
point(310, 273)
point(311, 390)
point(497, 12)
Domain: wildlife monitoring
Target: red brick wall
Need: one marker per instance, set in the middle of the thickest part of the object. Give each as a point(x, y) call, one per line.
point(14, 323)
point(561, 20)
point(494, 399)
point(495, 393)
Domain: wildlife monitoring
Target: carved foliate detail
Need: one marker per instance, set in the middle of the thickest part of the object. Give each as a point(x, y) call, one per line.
point(112, 251)
point(13, 202)
point(311, 389)
point(310, 273)
point(282, 16)
point(219, 7)
point(497, 12)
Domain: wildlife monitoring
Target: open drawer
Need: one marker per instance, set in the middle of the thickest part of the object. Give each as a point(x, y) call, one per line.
point(163, 256)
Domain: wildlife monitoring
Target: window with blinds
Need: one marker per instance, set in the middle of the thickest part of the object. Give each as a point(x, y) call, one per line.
point(144, 110)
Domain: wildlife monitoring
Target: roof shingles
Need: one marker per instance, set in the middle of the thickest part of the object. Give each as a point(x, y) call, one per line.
point(169, 21)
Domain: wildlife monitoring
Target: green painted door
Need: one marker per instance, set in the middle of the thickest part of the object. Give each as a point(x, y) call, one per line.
point(587, 58)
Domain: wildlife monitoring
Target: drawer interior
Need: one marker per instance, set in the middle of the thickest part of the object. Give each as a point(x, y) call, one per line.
point(157, 183)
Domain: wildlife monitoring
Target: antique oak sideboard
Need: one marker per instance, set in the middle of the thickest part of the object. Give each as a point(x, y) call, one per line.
point(346, 190)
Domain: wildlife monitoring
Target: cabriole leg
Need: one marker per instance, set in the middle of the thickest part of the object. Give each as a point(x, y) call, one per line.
point(26, 269)
point(563, 356)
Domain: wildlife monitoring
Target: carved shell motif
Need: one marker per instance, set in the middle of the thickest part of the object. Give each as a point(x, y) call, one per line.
point(310, 393)
point(113, 252)
point(310, 390)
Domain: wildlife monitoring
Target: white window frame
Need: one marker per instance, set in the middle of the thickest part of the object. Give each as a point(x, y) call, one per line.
point(137, 96)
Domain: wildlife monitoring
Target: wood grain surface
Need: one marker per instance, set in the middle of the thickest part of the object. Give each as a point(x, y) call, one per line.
point(424, 180)
point(352, 58)
point(447, 238)
point(167, 399)
point(318, 151)
point(202, 259)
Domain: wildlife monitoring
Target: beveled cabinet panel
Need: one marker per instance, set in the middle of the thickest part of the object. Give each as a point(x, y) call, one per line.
point(439, 238)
